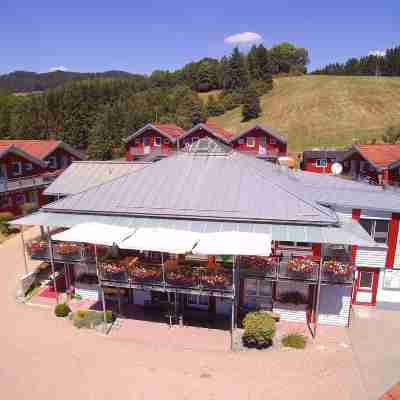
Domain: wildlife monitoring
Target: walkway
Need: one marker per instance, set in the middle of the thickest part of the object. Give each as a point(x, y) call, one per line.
point(46, 358)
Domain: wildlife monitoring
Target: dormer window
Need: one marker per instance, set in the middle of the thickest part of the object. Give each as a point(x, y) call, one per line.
point(272, 140)
point(157, 141)
point(16, 168)
point(241, 141)
point(52, 162)
point(27, 167)
point(251, 142)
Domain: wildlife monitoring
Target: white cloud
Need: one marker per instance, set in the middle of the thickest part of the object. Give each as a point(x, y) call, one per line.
point(244, 37)
point(60, 68)
point(378, 53)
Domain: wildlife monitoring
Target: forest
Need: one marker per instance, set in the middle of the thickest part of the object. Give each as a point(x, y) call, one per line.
point(95, 114)
point(373, 64)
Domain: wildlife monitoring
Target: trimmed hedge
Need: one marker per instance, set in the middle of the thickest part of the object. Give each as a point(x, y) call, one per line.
point(62, 310)
point(259, 329)
point(294, 340)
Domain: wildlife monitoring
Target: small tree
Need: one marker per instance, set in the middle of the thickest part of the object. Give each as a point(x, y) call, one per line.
point(251, 105)
point(392, 135)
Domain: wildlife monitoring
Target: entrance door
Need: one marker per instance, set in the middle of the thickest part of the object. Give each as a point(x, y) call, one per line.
point(262, 148)
point(146, 145)
point(366, 286)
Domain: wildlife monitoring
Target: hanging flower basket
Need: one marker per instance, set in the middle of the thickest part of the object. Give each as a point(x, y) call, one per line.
point(218, 280)
point(337, 268)
point(66, 249)
point(145, 273)
point(183, 275)
point(302, 265)
point(259, 264)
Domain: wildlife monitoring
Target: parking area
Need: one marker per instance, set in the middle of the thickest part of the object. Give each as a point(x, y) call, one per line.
point(43, 357)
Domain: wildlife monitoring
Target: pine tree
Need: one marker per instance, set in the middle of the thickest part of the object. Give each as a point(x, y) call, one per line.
point(237, 77)
point(251, 105)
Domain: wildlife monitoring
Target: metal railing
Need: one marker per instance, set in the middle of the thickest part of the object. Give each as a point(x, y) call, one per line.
point(26, 182)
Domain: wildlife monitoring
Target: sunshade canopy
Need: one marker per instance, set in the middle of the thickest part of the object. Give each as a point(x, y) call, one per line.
point(234, 243)
point(161, 239)
point(95, 233)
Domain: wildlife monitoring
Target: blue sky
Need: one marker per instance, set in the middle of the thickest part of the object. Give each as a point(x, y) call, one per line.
point(140, 36)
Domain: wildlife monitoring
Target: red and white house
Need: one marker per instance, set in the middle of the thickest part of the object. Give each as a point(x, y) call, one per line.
point(153, 139)
point(27, 167)
point(261, 141)
point(157, 140)
point(379, 162)
point(321, 161)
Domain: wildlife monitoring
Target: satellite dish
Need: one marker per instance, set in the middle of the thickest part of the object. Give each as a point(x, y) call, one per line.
point(336, 168)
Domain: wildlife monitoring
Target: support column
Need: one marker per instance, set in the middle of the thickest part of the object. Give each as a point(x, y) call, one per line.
point(52, 263)
point(318, 290)
point(23, 250)
point(233, 302)
point(103, 300)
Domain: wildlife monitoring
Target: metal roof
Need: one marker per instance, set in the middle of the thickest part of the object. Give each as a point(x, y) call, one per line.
point(171, 131)
point(349, 232)
point(313, 154)
point(189, 185)
point(82, 175)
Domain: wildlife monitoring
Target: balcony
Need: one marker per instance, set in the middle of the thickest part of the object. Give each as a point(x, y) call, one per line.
point(26, 182)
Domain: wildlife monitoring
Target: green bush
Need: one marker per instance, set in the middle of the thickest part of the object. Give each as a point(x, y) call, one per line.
point(295, 340)
point(5, 217)
point(110, 318)
point(27, 208)
point(293, 298)
point(62, 310)
point(259, 329)
point(90, 318)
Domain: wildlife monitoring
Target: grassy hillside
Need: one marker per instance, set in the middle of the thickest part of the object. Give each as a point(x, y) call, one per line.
point(325, 111)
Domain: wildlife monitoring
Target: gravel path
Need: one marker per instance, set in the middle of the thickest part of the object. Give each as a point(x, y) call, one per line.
point(42, 357)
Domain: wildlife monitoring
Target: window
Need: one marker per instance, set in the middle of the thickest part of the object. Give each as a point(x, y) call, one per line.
point(16, 168)
point(52, 162)
point(366, 280)
point(321, 163)
point(157, 141)
point(27, 167)
point(166, 141)
point(241, 141)
point(64, 162)
point(257, 291)
point(197, 300)
point(138, 141)
point(33, 197)
point(272, 140)
point(19, 198)
point(377, 228)
point(195, 139)
point(5, 201)
point(145, 141)
point(250, 142)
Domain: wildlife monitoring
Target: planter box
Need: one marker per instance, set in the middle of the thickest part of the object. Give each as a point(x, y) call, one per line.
point(291, 312)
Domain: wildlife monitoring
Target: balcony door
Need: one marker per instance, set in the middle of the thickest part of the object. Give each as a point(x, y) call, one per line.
point(366, 286)
point(262, 148)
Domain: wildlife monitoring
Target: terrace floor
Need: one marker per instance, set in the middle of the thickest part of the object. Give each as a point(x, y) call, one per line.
point(145, 360)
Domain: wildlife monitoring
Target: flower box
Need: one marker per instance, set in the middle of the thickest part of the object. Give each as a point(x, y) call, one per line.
point(147, 274)
point(338, 269)
point(302, 266)
point(67, 250)
point(259, 264)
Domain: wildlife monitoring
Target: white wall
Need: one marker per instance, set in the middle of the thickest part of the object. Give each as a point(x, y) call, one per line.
point(371, 257)
point(387, 298)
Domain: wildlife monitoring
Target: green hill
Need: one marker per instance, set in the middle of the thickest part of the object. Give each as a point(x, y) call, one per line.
point(325, 111)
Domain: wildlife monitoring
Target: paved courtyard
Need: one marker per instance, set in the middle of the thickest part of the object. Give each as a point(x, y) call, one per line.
point(42, 357)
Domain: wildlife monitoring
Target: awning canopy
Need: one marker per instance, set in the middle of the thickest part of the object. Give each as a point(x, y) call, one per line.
point(349, 232)
point(161, 239)
point(234, 243)
point(95, 233)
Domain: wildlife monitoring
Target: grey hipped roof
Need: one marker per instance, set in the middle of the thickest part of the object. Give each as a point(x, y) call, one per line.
point(189, 185)
point(82, 175)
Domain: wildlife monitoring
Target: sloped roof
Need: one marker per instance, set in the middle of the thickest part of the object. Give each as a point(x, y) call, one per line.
point(40, 148)
point(379, 155)
point(213, 129)
point(171, 131)
point(313, 154)
point(189, 185)
point(82, 175)
point(264, 128)
point(6, 147)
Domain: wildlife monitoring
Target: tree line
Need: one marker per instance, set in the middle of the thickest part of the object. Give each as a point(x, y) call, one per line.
point(373, 64)
point(94, 115)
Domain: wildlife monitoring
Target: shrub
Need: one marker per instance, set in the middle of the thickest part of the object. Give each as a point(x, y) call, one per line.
point(62, 310)
point(27, 208)
point(295, 340)
point(259, 329)
point(110, 318)
point(91, 318)
point(5, 217)
point(293, 298)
